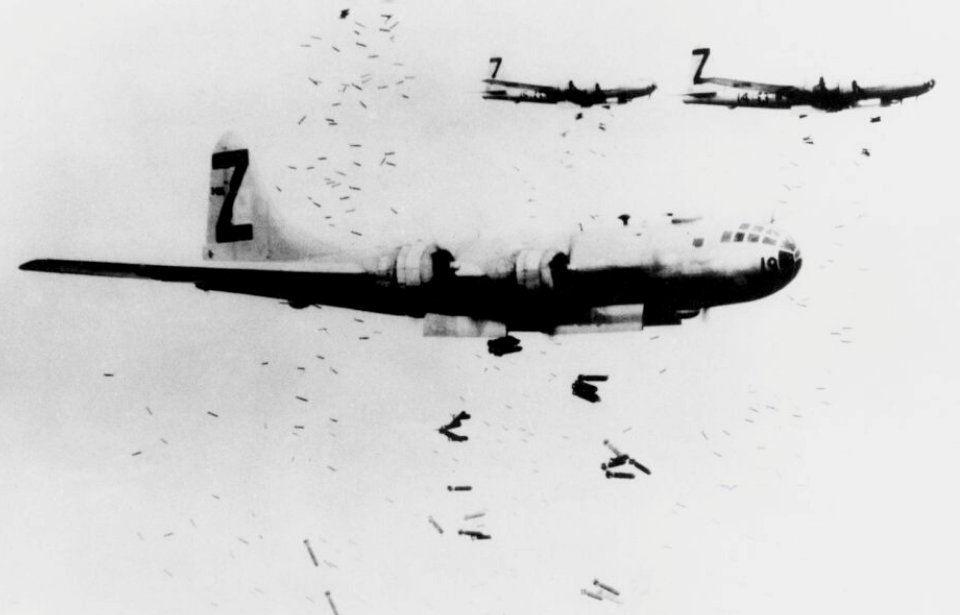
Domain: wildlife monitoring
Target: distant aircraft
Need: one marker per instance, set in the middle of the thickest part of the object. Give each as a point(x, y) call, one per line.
point(534, 93)
point(622, 278)
point(736, 93)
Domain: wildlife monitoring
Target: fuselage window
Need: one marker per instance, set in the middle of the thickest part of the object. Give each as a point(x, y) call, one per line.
point(738, 237)
point(698, 242)
point(726, 236)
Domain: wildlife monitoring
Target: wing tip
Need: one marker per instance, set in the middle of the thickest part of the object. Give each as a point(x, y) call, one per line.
point(34, 265)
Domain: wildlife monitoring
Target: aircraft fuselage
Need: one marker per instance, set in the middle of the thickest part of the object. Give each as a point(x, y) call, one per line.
point(672, 270)
point(653, 273)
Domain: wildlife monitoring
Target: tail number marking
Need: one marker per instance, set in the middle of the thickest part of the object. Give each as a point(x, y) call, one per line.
point(226, 230)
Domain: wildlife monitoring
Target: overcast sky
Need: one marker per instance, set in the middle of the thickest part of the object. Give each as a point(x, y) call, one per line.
point(801, 446)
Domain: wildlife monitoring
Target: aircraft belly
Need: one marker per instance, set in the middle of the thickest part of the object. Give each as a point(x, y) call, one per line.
point(688, 285)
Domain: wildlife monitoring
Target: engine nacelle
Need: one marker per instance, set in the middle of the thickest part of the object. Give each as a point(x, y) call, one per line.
point(541, 269)
point(416, 265)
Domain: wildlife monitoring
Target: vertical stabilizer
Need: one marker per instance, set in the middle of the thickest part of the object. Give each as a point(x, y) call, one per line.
point(238, 218)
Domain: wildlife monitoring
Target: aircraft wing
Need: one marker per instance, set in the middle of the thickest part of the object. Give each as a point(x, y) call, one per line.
point(337, 285)
point(522, 97)
point(711, 98)
point(543, 89)
point(630, 91)
point(756, 86)
point(888, 94)
point(183, 273)
point(626, 94)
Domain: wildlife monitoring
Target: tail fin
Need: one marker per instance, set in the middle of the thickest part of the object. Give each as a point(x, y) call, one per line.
point(238, 218)
point(495, 63)
point(698, 71)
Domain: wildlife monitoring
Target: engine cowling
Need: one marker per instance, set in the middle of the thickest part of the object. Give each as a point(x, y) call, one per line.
point(541, 269)
point(416, 265)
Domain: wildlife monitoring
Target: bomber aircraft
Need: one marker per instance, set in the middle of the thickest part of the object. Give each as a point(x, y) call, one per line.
point(737, 93)
point(621, 278)
point(498, 89)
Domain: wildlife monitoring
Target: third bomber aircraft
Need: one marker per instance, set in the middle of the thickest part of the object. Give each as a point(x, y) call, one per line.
point(738, 93)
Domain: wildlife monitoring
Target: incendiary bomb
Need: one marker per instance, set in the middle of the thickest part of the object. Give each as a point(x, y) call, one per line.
point(582, 388)
point(452, 436)
point(313, 558)
point(594, 595)
point(474, 535)
point(454, 423)
point(503, 345)
point(605, 587)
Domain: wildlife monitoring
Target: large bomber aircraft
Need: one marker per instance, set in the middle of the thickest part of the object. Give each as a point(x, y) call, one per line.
point(737, 93)
point(497, 89)
point(622, 278)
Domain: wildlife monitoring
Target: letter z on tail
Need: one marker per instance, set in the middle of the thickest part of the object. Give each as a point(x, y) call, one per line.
point(238, 218)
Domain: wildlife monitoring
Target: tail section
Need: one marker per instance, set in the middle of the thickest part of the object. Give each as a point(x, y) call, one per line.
point(704, 52)
point(238, 218)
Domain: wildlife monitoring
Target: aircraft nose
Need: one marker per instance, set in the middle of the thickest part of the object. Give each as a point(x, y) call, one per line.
point(789, 265)
point(789, 259)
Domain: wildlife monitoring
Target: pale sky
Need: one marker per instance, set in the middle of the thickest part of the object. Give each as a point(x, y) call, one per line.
point(802, 446)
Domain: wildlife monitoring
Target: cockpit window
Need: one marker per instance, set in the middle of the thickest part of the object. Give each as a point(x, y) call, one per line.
point(738, 237)
point(788, 244)
point(769, 241)
point(698, 242)
point(744, 226)
point(757, 228)
point(753, 238)
point(726, 236)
